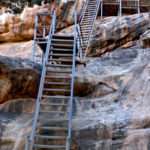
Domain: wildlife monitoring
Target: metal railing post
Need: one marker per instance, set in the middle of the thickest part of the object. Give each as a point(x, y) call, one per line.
point(34, 38)
point(101, 9)
point(68, 144)
point(138, 6)
point(120, 8)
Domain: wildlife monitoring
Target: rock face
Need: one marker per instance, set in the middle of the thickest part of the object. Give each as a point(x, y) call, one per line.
point(113, 32)
point(145, 39)
point(22, 50)
point(21, 27)
point(114, 113)
point(17, 79)
point(15, 5)
point(112, 107)
point(15, 123)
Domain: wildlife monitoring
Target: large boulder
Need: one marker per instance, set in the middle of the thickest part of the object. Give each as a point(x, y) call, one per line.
point(21, 50)
point(17, 79)
point(113, 107)
point(114, 32)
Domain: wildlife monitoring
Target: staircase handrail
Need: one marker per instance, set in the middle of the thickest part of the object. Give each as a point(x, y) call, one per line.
point(34, 38)
point(79, 35)
point(83, 10)
point(70, 112)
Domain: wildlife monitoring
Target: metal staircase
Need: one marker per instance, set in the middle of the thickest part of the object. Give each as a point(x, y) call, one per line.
point(87, 23)
point(52, 123)
point(53, 115)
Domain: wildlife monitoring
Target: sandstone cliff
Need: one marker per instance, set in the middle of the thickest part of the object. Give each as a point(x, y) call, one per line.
point(111, 107)
point(113, 32)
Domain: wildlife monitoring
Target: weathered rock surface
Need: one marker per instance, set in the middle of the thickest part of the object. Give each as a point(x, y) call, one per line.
point(115, 112)
point(14, 128)
point(17, 79)
point(15, 123)
point(20, 27)
point(112, 105)
point(145, 39)
point(22, 50)
point(114, 32)
point(15, 5)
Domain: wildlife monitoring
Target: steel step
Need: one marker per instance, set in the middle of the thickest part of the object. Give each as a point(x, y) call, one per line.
point(62, 40)
point(53, 128)
point(55, 90)
point(55, 36)
point(62, 45)
point(61, 55)
point(57, 77)
point(57, 83)
point(58, 71)
point(49, 146)
point(87, 26)
point(61, 50)
point(56, 97)
point(54, 104)
point(58, 65)
point(55, 120)
point(84, 21)
point(41, 42)
point(60, 60)
point(53, 112)
point(89, 17)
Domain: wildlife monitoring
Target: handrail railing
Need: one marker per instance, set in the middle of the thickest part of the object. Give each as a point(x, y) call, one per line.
point(70, 112)
point(79, 40)
point(34, 38)
point(83, 10)
point(37, 108)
